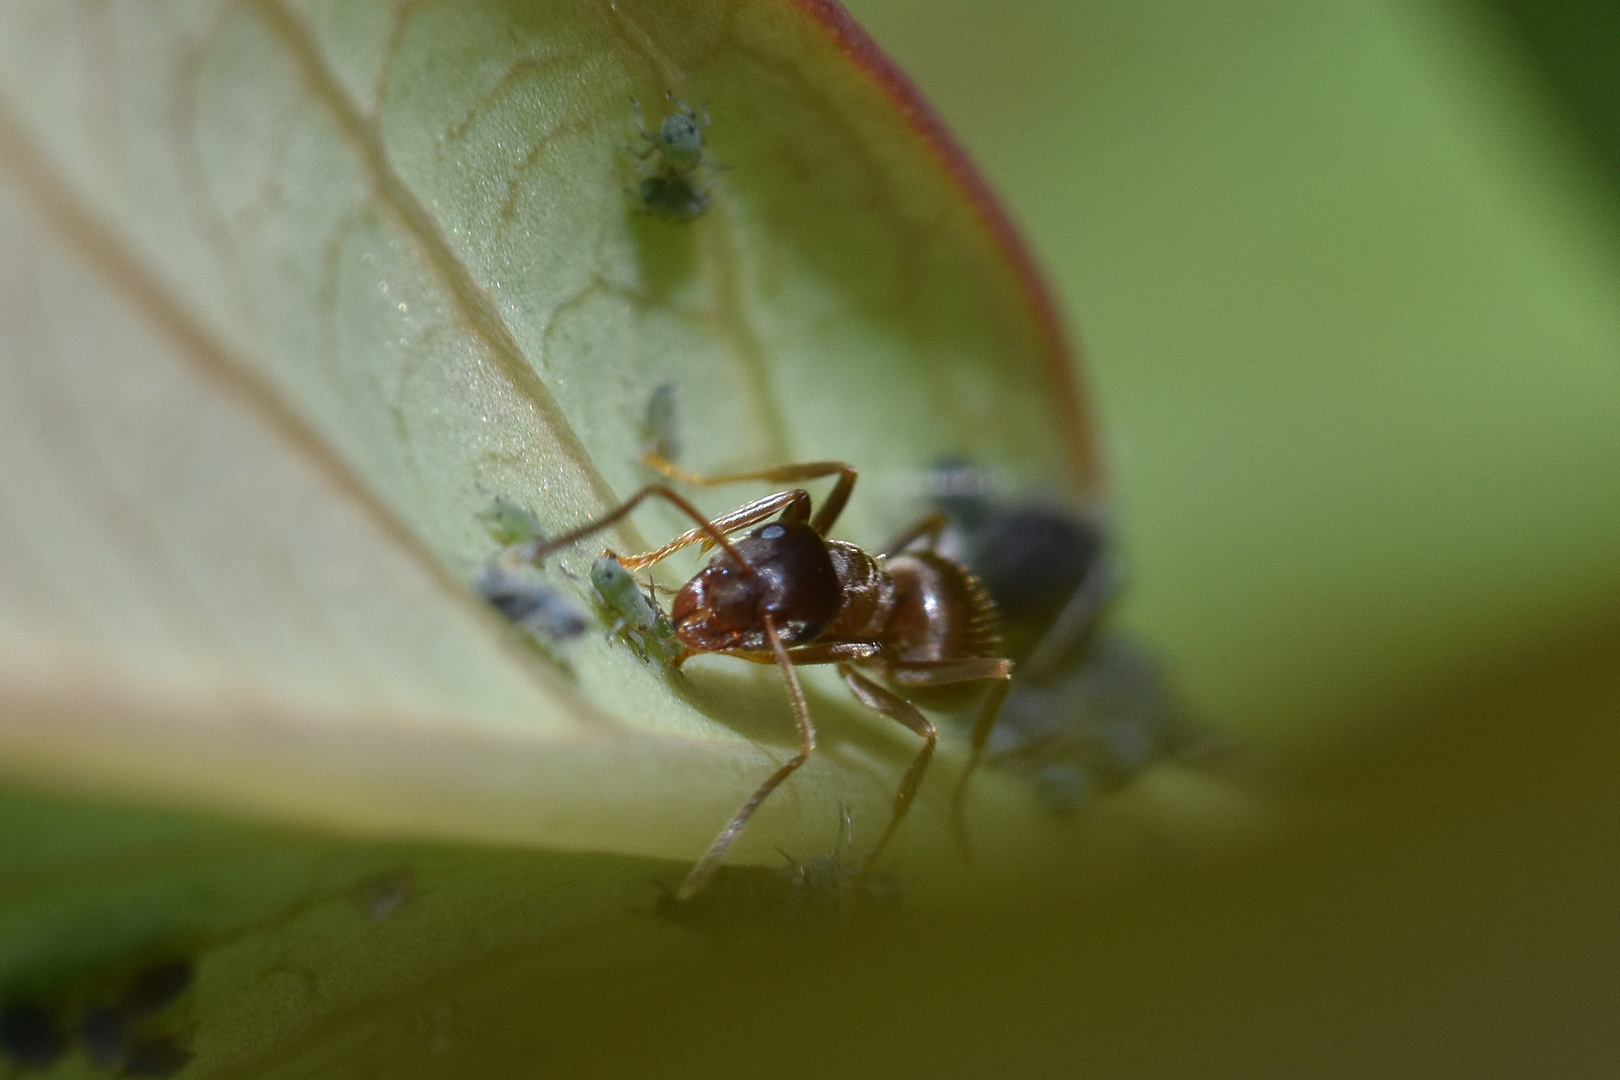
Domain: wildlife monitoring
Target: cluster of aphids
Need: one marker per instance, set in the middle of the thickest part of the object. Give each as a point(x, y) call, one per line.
point(1089, 710)
point(671, 161)
point(125, 1032)
point(550, 617)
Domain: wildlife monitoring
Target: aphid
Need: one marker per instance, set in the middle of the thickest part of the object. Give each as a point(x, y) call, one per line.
point(670, 161)
point(815, 895)
point(636, 617)
point(110, 1035)
point(824, 891)
point(29, 1035)
point(660, 435)
point(1048, 569)
point(784, 594)
point(508, 523)
point(527, 602)
point(532, 605)
point(1088, 710)
point(381, 895)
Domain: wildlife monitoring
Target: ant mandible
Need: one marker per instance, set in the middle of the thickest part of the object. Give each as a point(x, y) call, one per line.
point(785, 594)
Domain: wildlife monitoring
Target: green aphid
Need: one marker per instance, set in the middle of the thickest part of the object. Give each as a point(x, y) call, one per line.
point(660, 435)
point(508, 523)
point(670, 161)
point(644, 626)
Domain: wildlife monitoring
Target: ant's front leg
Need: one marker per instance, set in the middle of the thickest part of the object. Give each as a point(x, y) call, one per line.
point(781, 474)
point(739, 519)
point(536, 550)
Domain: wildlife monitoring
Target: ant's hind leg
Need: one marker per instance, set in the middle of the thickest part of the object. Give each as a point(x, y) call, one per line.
point(898, 708)
point(953, 672)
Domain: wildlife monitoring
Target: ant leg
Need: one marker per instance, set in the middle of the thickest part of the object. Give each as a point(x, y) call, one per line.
point(782, 474)
point(930, 526)
point(700, 874)
point(945, 673)
point(898, 708)
point(536, 550)
point(805, 655)
point(738, 519)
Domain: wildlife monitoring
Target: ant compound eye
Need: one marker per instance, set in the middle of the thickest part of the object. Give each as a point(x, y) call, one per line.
point(772, 532)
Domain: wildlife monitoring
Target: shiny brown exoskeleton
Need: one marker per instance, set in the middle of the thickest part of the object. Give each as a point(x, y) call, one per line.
point(787, 595)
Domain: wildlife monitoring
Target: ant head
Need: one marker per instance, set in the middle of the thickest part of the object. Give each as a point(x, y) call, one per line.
point(789, 576)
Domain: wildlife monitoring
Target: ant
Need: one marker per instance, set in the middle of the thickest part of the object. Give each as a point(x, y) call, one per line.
point(785, 594)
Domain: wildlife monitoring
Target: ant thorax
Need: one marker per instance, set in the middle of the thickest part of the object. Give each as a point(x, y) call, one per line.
point(868, 593)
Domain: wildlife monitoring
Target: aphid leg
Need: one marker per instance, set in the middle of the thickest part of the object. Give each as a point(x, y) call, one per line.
point(700, 874)
point(538, 549)
point(930, 527)
point(641, 123)
point(831, 507)
point(945, 673)
point(897, 708)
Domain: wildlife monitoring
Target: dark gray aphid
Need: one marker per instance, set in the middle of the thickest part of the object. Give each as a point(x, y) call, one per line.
point(110, 1033)
point(29, 1035)
point(1088, 710)
point(531, 604)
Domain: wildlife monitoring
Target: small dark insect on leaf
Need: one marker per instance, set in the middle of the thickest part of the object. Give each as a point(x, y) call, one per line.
point(531, 604)
point(104, 1032)
point(29, 1035)
point(817, 895)
point(109, 1032)
point(1088, 710)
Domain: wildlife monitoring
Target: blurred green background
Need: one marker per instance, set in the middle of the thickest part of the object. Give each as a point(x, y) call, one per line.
point(1347, 278)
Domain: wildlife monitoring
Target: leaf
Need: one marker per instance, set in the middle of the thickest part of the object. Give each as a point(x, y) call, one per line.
point(292, 292)
point(295, 291)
